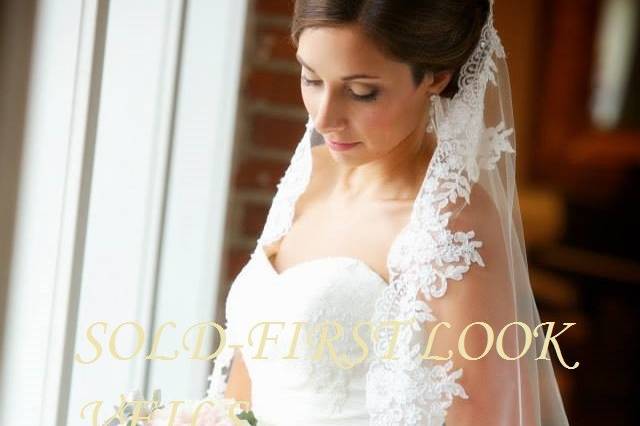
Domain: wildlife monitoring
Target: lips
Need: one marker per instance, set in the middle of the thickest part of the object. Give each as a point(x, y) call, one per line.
point(342, 143)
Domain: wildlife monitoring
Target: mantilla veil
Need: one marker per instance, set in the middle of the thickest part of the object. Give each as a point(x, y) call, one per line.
point(458, 268)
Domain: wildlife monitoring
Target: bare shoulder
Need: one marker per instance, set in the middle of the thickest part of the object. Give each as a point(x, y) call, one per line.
point(480, 212)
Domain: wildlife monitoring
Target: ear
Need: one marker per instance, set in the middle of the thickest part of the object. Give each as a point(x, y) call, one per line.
point(440, 81)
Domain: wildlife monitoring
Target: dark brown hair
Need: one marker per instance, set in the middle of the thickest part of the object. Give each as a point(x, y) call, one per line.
point(428, 35)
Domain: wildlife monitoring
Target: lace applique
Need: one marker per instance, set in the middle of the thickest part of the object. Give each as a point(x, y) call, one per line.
point(327, 377)
point(289, 189)
point(426, 254)
point(340, 304)
point(409, 390)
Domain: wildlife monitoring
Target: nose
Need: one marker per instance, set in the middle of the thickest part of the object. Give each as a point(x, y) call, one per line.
point(329, 115)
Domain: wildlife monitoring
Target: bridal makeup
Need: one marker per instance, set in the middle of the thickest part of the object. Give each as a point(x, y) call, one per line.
point(338, 146)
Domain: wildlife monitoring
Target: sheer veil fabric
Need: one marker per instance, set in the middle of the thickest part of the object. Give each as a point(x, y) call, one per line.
point(457, 273)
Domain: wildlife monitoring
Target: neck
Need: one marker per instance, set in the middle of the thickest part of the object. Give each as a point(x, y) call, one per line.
point(397, 175)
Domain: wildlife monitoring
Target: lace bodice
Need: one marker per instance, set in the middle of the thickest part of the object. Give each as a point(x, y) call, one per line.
point(303, 390)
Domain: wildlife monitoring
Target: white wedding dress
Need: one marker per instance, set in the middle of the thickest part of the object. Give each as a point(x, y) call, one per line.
point(438, 250)
point(304, 390)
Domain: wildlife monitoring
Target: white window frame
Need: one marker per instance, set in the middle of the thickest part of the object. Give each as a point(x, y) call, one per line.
point(85, 215)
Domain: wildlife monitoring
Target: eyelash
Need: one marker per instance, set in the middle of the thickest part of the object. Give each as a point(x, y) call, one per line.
point(364, 98)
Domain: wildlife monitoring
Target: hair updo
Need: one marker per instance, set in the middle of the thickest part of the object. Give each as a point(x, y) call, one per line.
point(428, 35)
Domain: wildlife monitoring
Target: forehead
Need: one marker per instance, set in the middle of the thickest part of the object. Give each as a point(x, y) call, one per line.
point(342, 49)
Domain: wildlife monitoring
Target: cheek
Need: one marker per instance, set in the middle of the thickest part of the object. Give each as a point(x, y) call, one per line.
point(381, 125)
point(387, 126)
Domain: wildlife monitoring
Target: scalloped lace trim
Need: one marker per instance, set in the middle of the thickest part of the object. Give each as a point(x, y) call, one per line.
point(424, 257)
point(409, 390)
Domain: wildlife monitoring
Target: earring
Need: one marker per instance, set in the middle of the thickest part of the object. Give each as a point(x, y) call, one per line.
point(431, 125)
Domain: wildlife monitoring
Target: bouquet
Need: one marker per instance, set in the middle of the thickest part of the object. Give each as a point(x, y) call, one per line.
point(134, 410)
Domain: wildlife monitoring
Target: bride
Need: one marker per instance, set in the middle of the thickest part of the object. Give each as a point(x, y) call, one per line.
point(399, 207)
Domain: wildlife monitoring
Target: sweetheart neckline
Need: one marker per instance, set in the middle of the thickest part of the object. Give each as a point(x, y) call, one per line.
point(309, 262)
point(307, 156)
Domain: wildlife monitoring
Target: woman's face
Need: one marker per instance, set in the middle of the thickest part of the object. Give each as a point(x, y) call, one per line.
point(355, 94)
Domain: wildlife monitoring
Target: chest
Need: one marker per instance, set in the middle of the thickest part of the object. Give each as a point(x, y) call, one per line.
point(363, 231)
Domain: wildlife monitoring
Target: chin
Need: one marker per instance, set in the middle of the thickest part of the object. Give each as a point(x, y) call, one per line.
point(352, 157)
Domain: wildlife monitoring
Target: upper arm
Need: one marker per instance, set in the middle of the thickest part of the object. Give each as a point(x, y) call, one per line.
point(239, 382)
point(485, 294)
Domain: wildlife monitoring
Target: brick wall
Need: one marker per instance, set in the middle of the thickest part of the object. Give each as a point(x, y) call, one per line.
point(272, 120)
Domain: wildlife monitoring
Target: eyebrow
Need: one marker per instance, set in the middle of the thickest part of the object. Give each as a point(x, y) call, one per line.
point(350, 77)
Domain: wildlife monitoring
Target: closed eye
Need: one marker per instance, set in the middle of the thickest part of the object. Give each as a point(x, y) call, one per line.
point(311, 82)
point(365, 98)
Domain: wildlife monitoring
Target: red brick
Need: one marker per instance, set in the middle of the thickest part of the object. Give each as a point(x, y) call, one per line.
point(279, 133)
point(274, 87)
point(259, 174)
point(275, 7)
point(274, 43)
point(254, 218)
